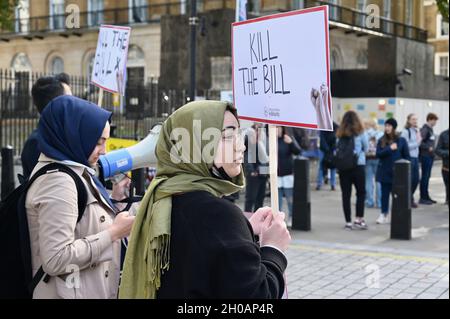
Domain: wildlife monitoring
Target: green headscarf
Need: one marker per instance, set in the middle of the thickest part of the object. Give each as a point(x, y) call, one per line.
point(148, 249)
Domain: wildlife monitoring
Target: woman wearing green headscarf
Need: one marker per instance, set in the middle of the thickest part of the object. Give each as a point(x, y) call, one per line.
point(189, 242)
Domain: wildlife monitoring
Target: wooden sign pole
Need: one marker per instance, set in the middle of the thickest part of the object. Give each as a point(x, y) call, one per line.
point(100, 97)
point(273, 167)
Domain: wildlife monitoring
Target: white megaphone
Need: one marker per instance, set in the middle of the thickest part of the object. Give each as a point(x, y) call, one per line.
point(134, 157)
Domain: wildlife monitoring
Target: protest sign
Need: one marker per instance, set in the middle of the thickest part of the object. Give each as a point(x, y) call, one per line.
point(281, 71)
point(110, 64)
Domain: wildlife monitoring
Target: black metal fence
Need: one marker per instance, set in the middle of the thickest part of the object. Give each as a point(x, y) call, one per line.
point(133, 115)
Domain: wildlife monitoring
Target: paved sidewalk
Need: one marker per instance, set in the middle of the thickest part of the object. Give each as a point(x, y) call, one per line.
point(319, 270)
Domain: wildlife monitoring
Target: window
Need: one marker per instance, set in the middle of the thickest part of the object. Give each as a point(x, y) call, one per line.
point(409, 17)
point(409, 12)
point(361, 6)
point(297, 4)
point(95, 12)
point(441, 27)
point(56, 65)
point(334, 9)
point(22, 15)
point(441, 64)
point(387, 23)
point(254, 6)
point(57, 14)
point(21, 63)
point(137, 10)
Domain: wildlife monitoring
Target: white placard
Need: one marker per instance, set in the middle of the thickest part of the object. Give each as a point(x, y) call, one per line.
point(110, 64)
point(281, 71)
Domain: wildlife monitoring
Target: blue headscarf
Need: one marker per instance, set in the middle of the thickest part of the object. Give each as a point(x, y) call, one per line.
point(69, 130)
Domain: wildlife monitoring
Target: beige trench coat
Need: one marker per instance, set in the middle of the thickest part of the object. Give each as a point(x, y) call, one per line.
point(61, 245)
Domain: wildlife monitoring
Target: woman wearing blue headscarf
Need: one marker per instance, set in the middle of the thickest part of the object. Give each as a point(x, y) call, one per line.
point(82, 258)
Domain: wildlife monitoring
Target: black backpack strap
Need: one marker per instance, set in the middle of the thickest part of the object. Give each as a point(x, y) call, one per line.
point(129, 201)
point(81, 201)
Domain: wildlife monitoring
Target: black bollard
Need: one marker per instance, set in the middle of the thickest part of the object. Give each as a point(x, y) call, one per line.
point(401, 204)
point(138, 179)
point(301, 215)
point(7, 181)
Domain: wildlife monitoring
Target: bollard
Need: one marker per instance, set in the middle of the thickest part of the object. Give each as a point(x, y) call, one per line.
point(401, 203)
point(7, 180)
point(301, 215)
point(138, 180)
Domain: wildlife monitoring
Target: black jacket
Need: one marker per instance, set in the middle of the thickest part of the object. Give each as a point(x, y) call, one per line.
point(428, 140)
point(442, 149)
point(30, 154)
point(285, 153)
point(213, 253)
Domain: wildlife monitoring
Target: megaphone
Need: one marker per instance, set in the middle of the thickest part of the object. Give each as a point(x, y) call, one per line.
point(126, 159)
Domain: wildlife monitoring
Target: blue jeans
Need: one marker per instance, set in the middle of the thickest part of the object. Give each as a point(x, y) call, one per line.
point(427, 165)
point(320, 172)
point(414, 175)
point(289, 194)
point(371, 173)
point(386, 190)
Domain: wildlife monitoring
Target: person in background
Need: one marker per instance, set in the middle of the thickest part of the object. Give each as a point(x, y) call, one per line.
point(442, 151)
point(301, 136)
point(373, 136)
point(256, 161)
point(43, 91)
point(426, 156)
point(390, 148)
point(326, 149)
point(351, 128)
point(412, 136)
point(287, 148)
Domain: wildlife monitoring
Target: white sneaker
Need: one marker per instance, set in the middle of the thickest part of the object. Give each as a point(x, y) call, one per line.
point(383, 219)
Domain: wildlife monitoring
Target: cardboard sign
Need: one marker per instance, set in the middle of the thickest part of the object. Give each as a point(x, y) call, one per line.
point(281, 69)
point(110, 64)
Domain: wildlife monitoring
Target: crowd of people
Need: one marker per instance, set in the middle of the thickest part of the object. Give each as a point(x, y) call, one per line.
point(370, 155)
point(187, 239)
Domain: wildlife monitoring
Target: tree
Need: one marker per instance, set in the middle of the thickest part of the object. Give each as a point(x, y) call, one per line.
point(443, 8)
point(7, 13)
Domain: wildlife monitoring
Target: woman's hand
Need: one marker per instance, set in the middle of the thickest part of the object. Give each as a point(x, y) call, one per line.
point(261, 216)
point(394, 146)
point(287, 139)
point(121, 226)
point(275, 233)
point(121, 189)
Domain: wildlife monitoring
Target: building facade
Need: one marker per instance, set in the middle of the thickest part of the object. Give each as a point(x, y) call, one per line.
point(42, 41)
point(437, 36)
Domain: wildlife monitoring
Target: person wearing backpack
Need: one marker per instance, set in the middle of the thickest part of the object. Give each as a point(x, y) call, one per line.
point(80, 259)
point(391, 148)
point(372, 135)
point(412, 136)
point(350, 160)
